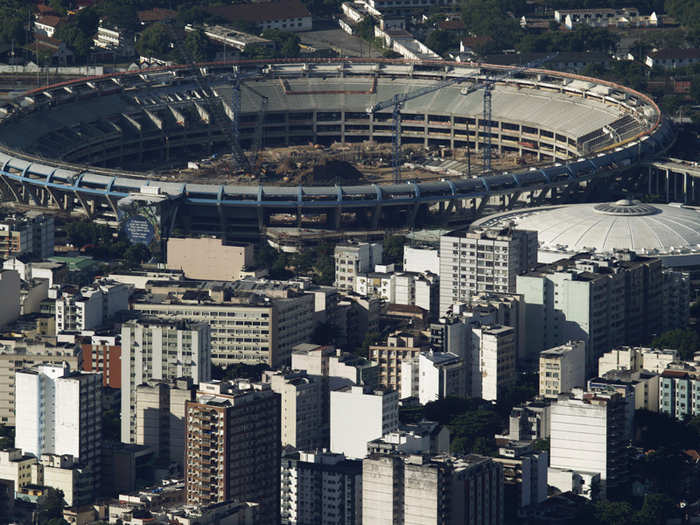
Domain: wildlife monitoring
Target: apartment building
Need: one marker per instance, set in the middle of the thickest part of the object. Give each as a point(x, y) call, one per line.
point(16, 467)
point(562, 368)
point(320, 488)
point(160, 418)
point(431, 489)
point(588, 437)
point(605, 301)
point(524, 476)
point(232, 446)
point(352, 260)
point(433, 376)
point(158, 349)
point(636, 358)
point(424, 437)
point(326, 361)
point(19, 354)
point(360, 415)
point(400, 346)
point(493, 365)
point(209, 258)
point(679, 390)
point(529, 421)
point(60, 412)
point(103, 354)
point(29, 234)
point(483, 260)
point(248, 328)
point(302, 404)
point(91, 306)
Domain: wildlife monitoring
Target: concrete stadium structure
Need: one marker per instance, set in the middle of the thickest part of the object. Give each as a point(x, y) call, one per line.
point(68, 146)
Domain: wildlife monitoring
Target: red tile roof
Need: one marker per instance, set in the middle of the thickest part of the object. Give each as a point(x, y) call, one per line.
point(49, 20)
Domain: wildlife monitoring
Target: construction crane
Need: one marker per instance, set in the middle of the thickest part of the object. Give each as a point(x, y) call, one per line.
point(398, 100)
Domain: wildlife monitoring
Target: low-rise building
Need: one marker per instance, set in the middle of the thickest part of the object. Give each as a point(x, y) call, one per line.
point(208, 258)
point(679, 390)
point(400, 346)
point(673, 58)
point(425, 437)
point(16, 467)
point(352, 260)
point(636, 358)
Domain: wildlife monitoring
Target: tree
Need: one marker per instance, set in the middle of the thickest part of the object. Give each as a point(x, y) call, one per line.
point(13, 18)
point(365, 28)
point(136, 254)
point(197, 47)
point(686, 341)
point(371, 338)
point(392, 249)
point(154, 41)
point(442, 41)
point(657, 508)
point(613, 513)
point(50, 507)
point(60, 6)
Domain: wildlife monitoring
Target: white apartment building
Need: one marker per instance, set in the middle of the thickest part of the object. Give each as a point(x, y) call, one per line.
point(431, 489)
point(359, 415)
point(493, 366)
point(321, 488)
point(588, 438)
point(90, 307)
point(417, 289)
point(425, 437)
point(302, 408)
point(433, 376)
point(157, 349)
point(346, 368)
point(562, 368)
point(421, 260)
point(160, 417)
point(60, 412)
point(354, 259)
point(17, 355)
point(253, 329)
point(113, 38)
point(636, 358)
point(483, 260)
point(64, 473)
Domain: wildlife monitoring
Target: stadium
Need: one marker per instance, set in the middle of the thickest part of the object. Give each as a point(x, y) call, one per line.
point(97, 145)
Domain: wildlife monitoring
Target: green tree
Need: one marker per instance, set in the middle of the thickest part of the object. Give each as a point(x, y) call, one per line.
point(155, 41)
point(120, 13)
point(50, 506)
point(686, 341)
point(614, 513)
point(392, 249)
point(60, 6)
point(657, 508)
point(442, 41)
point(13, 20)
point(197, 47)
point(371, 338)
point(365, 28)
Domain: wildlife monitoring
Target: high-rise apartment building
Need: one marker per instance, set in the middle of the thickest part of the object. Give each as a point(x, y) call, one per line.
point(483, 260)
point(354, 259)
point(562, 368)
point(675, 308)
point(60, 412)
point(232, 446)
point(157, 349)
point(407, 489)
point(249, 328)
point(588, 435)
point(302, 404)
point(493, 363)
point(160, 418)
point(360, 415)
point(320, 488)
point(604, 301)
point(524, 476)
point(16, 355)
point(326, 361)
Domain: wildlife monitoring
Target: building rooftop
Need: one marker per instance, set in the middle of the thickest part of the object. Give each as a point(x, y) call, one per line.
point(261, 12)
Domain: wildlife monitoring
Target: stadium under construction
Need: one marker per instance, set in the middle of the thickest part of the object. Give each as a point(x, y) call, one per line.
point(89, 145)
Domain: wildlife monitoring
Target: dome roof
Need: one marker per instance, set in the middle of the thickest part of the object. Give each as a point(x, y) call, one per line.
point(653, 229)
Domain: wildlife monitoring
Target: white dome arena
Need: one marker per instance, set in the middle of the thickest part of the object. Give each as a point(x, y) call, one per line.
point(668, 231)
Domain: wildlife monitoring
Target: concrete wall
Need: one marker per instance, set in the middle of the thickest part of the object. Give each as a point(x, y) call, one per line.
point(208, 258)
